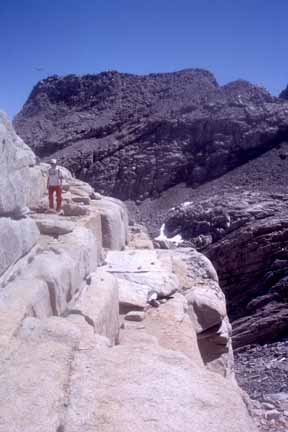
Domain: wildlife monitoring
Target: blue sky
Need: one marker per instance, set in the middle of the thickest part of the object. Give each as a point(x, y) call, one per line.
point(232, 38)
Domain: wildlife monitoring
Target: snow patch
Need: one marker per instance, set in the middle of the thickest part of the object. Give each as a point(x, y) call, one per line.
point(176, 239)
point(161, 235)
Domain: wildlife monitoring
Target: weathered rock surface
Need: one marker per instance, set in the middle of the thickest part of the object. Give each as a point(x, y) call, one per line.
point(139, 238)
point(17, 234)
point(140, 272)
point(245, 235)
point(48, 282)
point(139, 135)
point(206, 308)
point(98, 303)
point(114, 223)
point(15, 160)
point(35, 375)
point(52, 225)
point(16, 239)
point(132, 380)
point(170, 324)
point(71, 209)
point(135, 316)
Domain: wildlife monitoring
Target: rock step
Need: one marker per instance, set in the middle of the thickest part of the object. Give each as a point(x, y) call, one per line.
point(139, 272)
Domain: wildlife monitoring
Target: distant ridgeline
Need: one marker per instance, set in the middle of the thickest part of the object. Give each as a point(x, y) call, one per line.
point(135, 136)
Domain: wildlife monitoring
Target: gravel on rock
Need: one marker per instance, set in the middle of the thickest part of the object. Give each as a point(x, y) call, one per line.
point(262, 371)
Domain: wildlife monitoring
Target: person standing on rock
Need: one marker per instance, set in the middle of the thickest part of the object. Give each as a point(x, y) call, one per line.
point(54, 185)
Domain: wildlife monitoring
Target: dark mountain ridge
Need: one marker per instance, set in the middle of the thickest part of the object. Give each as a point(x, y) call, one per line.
point(136, 136)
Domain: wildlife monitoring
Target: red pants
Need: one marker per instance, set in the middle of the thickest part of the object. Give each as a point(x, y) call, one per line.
point(58, 190)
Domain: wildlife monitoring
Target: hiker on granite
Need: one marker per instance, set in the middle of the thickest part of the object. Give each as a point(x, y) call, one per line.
point(54, 185)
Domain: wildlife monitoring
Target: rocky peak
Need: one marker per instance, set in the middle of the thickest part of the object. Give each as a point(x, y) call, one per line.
point(101, 90)
point(150, 132)
point(248, 92)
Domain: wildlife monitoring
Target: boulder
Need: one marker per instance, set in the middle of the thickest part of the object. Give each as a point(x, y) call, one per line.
point(206, 307)
point(172, 327)
point(37, 186)
point(92, 222)
point(50, 280)
point(215, 346)
point(123, 212)
point(53, 225)
point(139, 272)
point(96, 196)
point(70, 209)
point(26, 296)
point(17, 237)
point(114, 220)
point(15, 160)
point(81, 200)
point(65, 266)
point(132, 295)
point(83, 246)
point(98, 303)
point(80, 188)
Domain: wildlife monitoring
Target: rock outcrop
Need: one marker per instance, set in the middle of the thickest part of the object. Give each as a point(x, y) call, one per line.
point(140, 272)
point(245, 235)
point(16, 159)
point(69, 359)
point(136, 136)
point(17, 235)
point(206, 309)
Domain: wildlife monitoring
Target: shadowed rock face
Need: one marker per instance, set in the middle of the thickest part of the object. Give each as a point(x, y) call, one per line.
point(136, 136)
point(284, 94)
point(245, 235)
